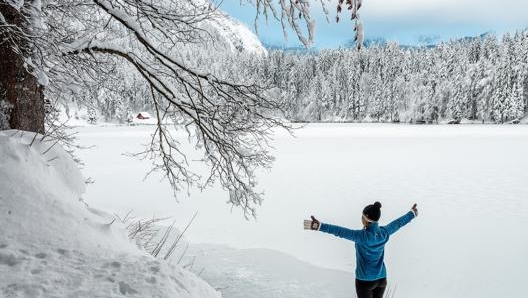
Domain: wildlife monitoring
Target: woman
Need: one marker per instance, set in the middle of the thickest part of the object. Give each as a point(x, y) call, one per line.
point(371, 275)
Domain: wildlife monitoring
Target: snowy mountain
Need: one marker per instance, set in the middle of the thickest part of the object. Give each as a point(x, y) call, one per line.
point(428, 41)
point(236, 34)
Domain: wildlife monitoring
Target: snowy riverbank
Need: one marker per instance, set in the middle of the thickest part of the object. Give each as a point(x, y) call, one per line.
point(52, 245)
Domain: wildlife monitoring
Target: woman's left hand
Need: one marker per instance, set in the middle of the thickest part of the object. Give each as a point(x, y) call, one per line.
point(415, 210)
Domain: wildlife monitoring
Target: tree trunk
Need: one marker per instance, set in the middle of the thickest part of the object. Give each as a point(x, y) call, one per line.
point(21, 96)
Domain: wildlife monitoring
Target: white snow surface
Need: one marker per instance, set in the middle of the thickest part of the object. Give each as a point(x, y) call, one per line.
point(53, 245)
point(266, 273)
point(469, 182)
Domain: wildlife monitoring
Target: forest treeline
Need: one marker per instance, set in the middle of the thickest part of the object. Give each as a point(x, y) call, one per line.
point(483, 79)
point(480, 79)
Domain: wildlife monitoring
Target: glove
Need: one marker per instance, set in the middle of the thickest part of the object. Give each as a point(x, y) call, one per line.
point(415, 210)
point(313, 224)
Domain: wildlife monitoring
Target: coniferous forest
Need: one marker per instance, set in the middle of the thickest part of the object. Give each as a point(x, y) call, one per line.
point(482, 79)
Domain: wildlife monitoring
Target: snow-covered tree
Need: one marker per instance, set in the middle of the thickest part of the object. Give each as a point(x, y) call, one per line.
point(92, 116)
point(67, 49)
point(22, 80)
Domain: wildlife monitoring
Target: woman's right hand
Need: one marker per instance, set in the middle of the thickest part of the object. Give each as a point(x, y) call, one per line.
point(314, 224)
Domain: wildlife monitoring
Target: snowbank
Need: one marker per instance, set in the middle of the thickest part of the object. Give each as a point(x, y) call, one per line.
point(524, 119)
point(53, 245)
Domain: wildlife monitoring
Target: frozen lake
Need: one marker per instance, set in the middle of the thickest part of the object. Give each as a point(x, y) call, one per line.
point(470, 183)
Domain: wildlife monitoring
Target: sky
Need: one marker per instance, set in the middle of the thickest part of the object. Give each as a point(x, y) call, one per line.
point(408, 22)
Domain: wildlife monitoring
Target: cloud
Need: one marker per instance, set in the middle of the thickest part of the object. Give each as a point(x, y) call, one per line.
point(487, 11)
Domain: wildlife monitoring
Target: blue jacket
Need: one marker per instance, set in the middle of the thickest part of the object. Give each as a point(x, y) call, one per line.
point(370, 245)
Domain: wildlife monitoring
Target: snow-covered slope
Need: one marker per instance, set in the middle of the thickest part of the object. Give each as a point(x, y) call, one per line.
point(237, 35)
point(53, 245)
point(224, 31)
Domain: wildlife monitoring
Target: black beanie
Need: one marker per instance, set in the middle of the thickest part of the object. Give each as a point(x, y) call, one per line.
point(373, 211)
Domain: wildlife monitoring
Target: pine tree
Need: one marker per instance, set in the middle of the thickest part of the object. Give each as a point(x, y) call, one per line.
point(92, 116)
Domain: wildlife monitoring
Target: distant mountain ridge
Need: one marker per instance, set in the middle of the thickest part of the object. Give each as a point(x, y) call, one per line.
point(421, 41)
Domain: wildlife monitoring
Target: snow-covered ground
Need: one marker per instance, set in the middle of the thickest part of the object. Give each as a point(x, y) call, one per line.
point(53, 245)
point(469, 182)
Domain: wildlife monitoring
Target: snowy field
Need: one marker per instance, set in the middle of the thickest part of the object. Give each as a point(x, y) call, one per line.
point(470, 183)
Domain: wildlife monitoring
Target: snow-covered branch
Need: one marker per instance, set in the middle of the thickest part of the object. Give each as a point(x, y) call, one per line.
point(296, 14)
point(232, 120)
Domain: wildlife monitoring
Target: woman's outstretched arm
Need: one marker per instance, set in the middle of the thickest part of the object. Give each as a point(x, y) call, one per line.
point(353, 235)
point(395, 225)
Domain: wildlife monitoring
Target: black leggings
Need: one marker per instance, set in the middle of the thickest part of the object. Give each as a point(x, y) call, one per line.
point(371, 289)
